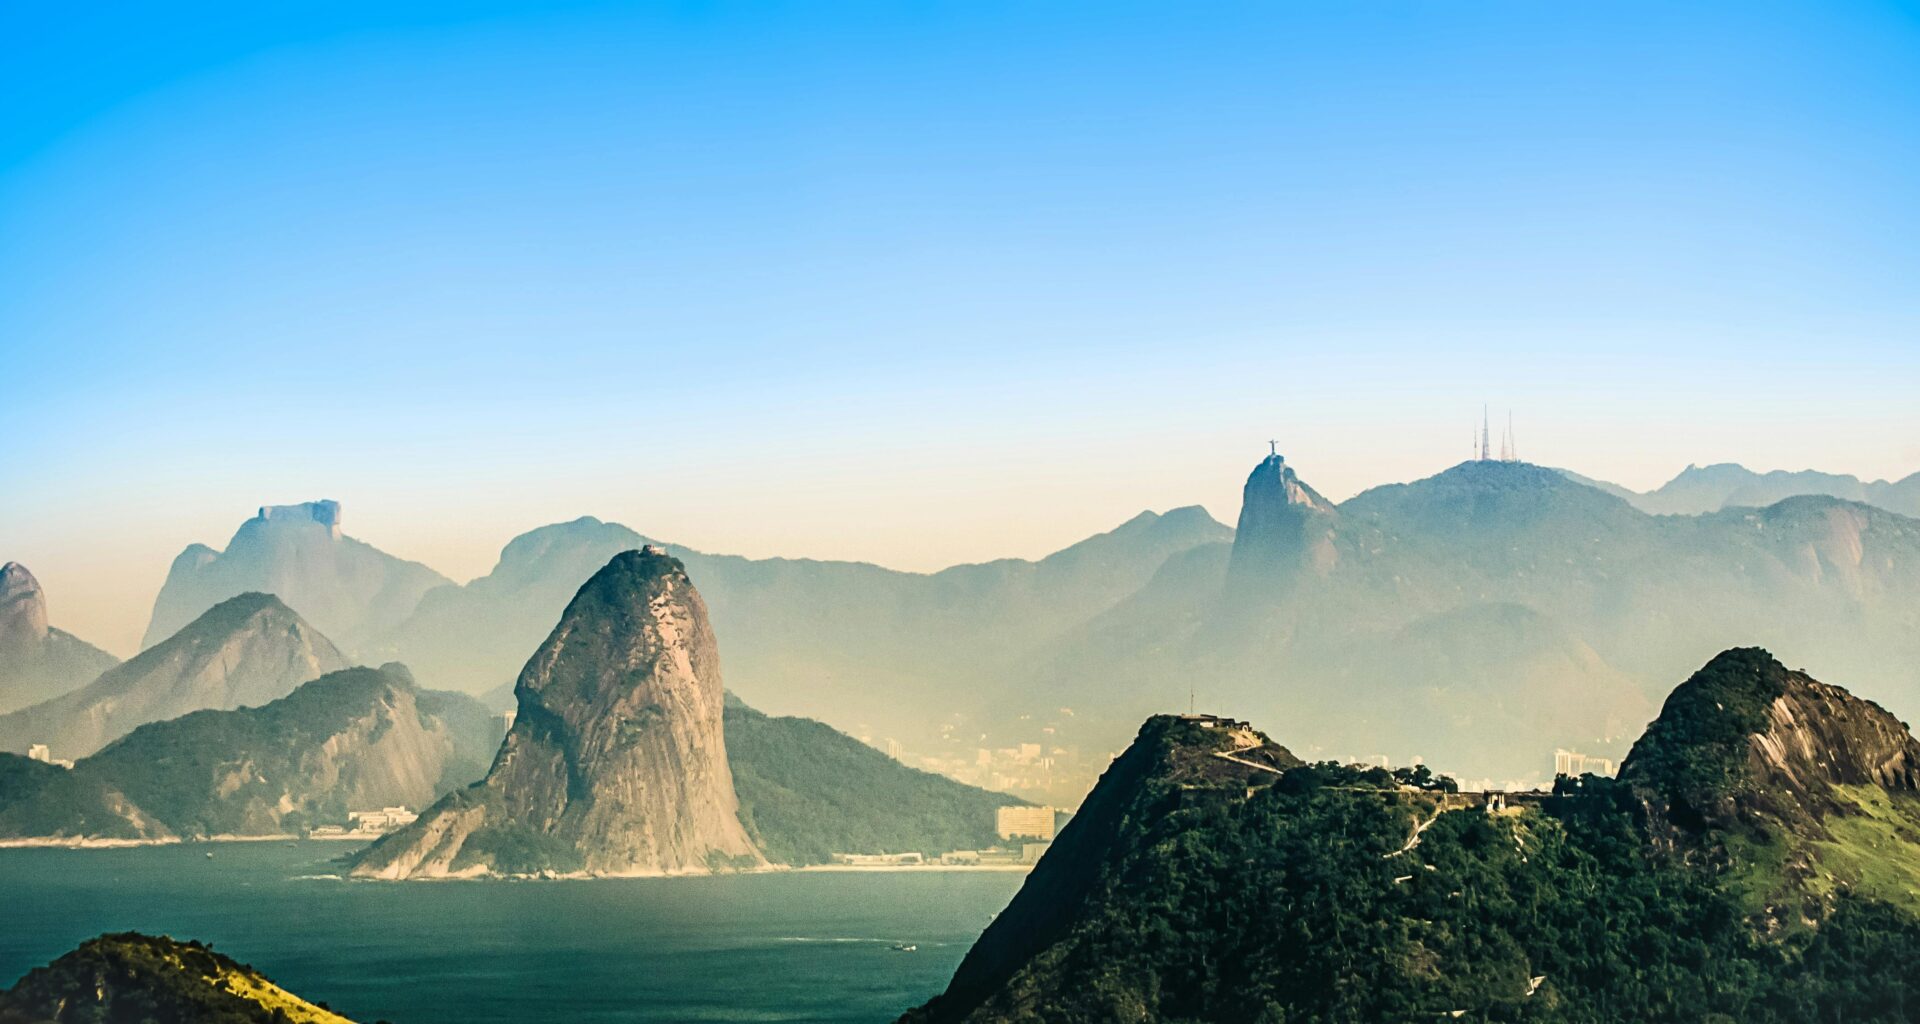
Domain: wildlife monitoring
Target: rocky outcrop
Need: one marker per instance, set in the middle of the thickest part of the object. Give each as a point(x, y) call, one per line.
point(1285, 529)
point(247, 650)
point(1791, 786)
point(352, 591)
point(1746, 739)
point(38, 661)
point(615, 764)
point(129, 977)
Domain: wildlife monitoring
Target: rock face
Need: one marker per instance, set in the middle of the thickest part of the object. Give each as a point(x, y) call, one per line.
point(1285, 527)
point(615, 764)
point(247, 650)
point(350, 590)
point(1746, 736)
point(36, 660)
point(1748, 747)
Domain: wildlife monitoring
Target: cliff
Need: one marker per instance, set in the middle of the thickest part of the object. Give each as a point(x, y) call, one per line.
point(615, 764)
point(247, 650)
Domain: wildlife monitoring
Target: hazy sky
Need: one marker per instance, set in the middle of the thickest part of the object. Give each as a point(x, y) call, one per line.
point(919, 283)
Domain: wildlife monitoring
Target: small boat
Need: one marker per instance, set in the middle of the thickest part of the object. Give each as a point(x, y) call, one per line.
point(209, 856)
point(905, 947)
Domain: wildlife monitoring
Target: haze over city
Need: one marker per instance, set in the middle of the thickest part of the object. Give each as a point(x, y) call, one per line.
point(919, 286)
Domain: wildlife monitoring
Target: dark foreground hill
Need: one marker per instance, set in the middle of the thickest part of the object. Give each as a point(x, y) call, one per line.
point(1329, 893)
point(135, 979)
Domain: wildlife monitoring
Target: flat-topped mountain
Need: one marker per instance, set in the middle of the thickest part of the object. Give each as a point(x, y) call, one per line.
point(350, 740)
point(38, 661)
point(615, 764)
point(133, 977)
point(247, 650)
point(351, 590)
point(1192, 887)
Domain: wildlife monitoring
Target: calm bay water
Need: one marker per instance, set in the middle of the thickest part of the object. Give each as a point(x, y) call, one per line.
point(774, 947)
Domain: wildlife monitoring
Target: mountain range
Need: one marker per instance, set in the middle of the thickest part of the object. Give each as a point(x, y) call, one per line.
point(1439, 618)
point(353, 739)
point(351, 590)
point(246, 650)
point(1755, 861)
point(1701, 489)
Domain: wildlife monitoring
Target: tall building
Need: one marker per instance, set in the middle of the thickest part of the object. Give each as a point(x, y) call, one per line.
point(1573, 764)
point(1026, 822)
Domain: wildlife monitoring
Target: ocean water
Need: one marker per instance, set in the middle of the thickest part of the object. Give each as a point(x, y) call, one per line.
point(792, 946)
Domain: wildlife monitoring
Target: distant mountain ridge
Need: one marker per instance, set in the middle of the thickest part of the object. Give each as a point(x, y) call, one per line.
point(248, 649)
point(1446, 616)
point(819, 638)
point(1702, 489)
point(350, 590)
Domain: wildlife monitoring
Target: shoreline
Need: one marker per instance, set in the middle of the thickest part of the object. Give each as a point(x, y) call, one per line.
point(98, 843)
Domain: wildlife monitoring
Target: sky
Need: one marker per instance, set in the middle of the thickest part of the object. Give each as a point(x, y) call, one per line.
point(919, 283)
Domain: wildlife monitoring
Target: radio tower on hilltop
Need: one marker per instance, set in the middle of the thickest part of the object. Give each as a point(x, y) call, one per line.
point(1486, 440)
point(1509, 447)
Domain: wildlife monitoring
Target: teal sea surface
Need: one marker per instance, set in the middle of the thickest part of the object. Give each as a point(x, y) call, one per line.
point(785, 946)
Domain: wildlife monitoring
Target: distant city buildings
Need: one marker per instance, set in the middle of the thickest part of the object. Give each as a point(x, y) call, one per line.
point(44, 754)
point(1024, 822)
point(386, 819)
point(1575, 764)
point(880, 860)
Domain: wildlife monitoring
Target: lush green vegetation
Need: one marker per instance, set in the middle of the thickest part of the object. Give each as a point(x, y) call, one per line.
point(1695, 753)
point(39, 799)
point(140, 979)
point(808, 791)
point(226, 772)
point(1310, 901)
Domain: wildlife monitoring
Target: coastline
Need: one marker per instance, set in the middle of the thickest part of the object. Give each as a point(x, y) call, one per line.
point(99, 843)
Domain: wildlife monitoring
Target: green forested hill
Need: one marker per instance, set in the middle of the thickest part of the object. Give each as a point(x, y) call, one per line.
point(808, 791)
point(352, 739)
point(1336, 894)
point(141, 979)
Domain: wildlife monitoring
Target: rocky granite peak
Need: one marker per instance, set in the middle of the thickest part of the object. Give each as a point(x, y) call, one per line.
point(23, 607)
point(1285, 528)
point(616, 763)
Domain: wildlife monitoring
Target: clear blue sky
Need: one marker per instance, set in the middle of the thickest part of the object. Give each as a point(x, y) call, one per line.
point(920, 283)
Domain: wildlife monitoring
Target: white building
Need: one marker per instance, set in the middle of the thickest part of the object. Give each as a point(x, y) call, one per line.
point(1027, 822)
point(386, 819)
